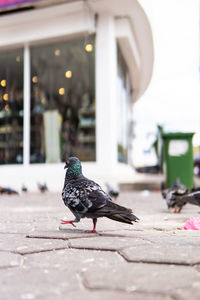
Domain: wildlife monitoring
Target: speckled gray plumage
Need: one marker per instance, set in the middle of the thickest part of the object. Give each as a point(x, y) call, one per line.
point(178, 195)
point(85, 198)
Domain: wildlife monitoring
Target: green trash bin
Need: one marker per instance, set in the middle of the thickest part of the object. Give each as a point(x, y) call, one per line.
point(178, 158)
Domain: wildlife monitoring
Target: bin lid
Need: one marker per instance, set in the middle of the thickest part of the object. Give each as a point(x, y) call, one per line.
point(177, 135)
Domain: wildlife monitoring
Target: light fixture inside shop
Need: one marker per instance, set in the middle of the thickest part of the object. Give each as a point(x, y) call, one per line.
point(68, 74)
point(61, 91)
point(57, 52)
point(43, 100)
point(34, 79)
point(18, 58)
point(5, 97)
point(89, 47)
point(3, 82)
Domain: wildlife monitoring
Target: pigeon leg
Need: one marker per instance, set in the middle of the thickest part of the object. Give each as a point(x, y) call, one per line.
point(68, 222)
point(94, 223)
point(177, 210)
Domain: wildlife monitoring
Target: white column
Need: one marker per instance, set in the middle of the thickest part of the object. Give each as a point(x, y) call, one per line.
point(27, 93)
point(106, 96)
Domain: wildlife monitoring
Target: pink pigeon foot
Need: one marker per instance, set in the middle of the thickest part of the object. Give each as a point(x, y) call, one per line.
point(68, 222)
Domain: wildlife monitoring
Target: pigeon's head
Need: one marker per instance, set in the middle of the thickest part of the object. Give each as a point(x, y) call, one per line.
point(73, 165)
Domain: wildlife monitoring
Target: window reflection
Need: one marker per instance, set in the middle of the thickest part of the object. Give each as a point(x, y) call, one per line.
point(124, 109)
point(11, 107)
point(62, 102)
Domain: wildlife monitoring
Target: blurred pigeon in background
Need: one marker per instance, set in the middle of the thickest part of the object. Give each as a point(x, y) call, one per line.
point(85, 198)
point(8, 191)
point(113, 191)
point(42, 187)
point(192, 197)
point(178, 195)
point(24, 188)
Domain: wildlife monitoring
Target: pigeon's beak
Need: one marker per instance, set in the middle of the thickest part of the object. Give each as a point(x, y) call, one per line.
point(66, 165)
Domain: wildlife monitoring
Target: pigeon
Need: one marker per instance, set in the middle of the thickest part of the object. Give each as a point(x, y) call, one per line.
point(85, 198)
point(112, 191)
point(173, 194)
point(178, 195)
point(24, 188)
point(42, 187)
point(192, 197)
point(8, 191)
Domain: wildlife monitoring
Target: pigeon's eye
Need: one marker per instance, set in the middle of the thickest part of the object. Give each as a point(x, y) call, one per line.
point(67, 162)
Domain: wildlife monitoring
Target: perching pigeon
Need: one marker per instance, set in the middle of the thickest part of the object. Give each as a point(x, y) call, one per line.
point(192, 197)
point(112, 191)
point(178, 195)
point(42, 187)
point(8, 191)
point(24, 188)
point(172, 194)
point(85, 198)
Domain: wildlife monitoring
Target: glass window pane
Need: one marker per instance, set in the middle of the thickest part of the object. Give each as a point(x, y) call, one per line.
point(11, 107)
point(124, 109)
point(62, 101)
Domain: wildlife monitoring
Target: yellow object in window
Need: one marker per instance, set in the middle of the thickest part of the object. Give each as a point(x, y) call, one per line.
point(5, 97)
point(3, 82)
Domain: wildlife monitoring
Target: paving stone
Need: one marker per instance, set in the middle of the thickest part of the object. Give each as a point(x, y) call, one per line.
point(26, 284)
point(22, 245)
point(9, 260)
point(150, 278)
point(15, 228)
point(26, 224)
point(73, 259)
point(176, 240)
point(64, 234)
point(197, 267)
point(111, 243)
point(116, 295)
point(167, 254)
point(36, 283)
point(141, 234)
point(96, 274)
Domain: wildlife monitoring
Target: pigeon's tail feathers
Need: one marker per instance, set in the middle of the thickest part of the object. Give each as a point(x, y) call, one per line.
point(193, 198)
point(124, 218)
point(116, 212)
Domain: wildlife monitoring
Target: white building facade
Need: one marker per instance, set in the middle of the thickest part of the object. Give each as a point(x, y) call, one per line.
point(70, 73)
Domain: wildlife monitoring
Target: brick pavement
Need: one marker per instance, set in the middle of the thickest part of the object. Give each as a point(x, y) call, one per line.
point(41, 259)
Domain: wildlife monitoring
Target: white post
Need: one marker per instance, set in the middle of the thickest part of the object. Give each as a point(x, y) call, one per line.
point(27, 93)
point(106, 97)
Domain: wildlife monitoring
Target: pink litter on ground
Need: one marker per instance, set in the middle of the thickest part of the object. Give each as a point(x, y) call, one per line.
point(192, 224)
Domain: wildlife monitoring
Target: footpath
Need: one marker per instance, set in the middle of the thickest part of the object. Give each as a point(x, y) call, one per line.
point(153, 259)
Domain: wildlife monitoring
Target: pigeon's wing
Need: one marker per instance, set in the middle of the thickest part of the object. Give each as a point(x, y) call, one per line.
point(112, 211)
point(193, 198)
point(98, 199)
point(84, 196)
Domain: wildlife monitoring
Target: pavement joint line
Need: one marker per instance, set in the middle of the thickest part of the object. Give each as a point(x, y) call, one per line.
point(18, 233)
point(38, 251)
point(9, 267)
point(46, 238)
point(146, 261)
point(125, 290)
point(59, 238)
point(91, 249)
point(125, 236)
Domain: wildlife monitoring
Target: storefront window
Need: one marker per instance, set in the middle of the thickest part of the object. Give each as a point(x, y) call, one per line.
point(11, 107)
point(123, 107)
point(62, 101)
